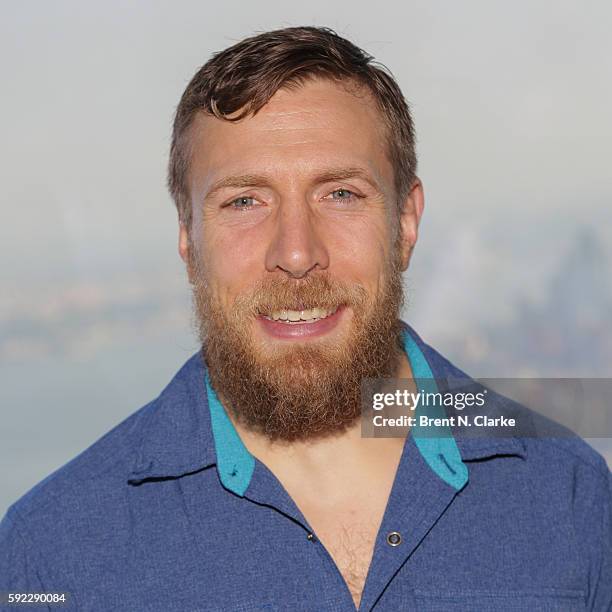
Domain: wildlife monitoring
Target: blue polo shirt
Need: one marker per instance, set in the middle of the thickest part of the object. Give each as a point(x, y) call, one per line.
point(170, 512)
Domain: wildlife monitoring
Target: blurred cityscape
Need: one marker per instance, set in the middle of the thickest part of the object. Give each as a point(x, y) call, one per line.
point(484, 312)
point(566, 333)
point(79, 356)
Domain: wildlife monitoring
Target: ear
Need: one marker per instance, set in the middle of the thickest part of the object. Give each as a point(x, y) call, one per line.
point(410, 217)
point(184, 245)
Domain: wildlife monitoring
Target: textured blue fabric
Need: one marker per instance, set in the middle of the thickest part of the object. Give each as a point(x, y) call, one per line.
point(146, 519)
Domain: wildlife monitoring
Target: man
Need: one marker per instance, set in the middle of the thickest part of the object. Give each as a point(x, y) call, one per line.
point(246, 485)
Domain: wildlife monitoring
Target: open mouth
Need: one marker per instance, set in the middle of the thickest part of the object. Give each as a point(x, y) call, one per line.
point(301, 324)
point(311, 315)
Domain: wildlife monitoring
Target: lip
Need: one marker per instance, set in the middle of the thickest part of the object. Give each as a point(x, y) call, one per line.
point(289, 331)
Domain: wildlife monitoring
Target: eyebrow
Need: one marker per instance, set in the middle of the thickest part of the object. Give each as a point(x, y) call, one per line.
point(260, 180)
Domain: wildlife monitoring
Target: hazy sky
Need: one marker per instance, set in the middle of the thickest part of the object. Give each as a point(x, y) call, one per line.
point(511, 102)
point(512, 107)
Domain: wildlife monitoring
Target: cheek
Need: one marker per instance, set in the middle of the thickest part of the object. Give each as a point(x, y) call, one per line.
point(360, 249)
point(233, 263)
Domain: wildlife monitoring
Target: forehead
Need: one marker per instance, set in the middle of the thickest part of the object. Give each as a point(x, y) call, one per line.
point(301, 129)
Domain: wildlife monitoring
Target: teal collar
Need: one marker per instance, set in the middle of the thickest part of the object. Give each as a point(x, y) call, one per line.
point(439, 451)
point(235, 463)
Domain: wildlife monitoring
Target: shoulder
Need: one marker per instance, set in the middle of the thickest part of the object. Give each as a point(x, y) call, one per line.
point(90, 473)
point(552, 453)
point(44, 531)
point(93, 482)
point(75, 521)
point(569, 452)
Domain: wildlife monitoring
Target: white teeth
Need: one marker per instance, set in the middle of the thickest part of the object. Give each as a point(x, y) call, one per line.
point(293, 316)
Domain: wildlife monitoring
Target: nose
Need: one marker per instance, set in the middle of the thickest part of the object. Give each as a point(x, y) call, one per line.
point(297, 246)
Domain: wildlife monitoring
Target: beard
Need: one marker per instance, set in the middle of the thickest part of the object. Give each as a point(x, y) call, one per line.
point(298, 391)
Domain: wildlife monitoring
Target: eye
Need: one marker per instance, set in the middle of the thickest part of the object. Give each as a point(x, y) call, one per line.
point(242, 202)
point(342, 194)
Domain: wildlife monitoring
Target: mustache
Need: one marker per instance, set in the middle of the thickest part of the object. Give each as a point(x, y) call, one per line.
point(314, 291)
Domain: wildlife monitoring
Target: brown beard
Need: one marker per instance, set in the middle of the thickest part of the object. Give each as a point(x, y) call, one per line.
point(299, 391)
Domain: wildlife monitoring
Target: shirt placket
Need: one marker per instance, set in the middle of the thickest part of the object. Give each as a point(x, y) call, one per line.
point(419, 497)
point(326, 588)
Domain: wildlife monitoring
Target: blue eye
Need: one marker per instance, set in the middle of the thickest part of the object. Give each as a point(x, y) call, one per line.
point(243, 202)
point(345, 194)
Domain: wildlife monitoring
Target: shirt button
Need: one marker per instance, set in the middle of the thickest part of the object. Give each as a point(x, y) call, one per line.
point(311, 537)
point(394, 538)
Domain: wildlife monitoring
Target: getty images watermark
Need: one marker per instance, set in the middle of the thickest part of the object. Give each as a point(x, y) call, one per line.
point(487, 407)
point(426, 400)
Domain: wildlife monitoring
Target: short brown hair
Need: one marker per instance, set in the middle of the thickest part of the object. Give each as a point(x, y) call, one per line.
point(240, 80)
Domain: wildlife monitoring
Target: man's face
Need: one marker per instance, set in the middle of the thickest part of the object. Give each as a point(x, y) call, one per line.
point(295, 253)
